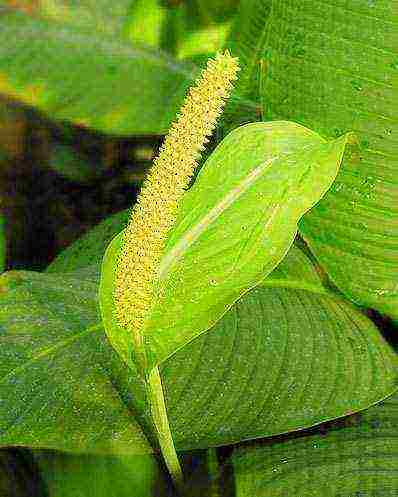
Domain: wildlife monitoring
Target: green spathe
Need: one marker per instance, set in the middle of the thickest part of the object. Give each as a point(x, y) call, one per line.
point(233, 227)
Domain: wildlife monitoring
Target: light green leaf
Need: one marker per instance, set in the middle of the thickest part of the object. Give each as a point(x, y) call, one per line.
point(234, 226)
point(69, 475)
point(89, 78)
point(145, 22)
point(357, 457)
point(333, 67)
point(59, 384)
point(100, 15)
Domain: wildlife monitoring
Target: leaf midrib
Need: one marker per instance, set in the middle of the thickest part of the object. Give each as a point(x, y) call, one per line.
point(190, 236)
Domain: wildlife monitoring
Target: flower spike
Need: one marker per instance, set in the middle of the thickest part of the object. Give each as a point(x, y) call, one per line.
point(155, 211)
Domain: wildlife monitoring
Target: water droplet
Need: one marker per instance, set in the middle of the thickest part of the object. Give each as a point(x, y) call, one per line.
point(356, 85)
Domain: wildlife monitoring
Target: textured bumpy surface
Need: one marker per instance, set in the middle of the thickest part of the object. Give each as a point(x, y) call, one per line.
point(156, 208)
point(356, 458)
point(333, 66)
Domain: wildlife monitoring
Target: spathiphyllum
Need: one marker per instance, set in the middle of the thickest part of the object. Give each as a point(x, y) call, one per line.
point(152, 218)
point(155, 211)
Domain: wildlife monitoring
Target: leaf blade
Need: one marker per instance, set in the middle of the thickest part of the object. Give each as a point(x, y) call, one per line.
point(346, 83)
point(125, 78)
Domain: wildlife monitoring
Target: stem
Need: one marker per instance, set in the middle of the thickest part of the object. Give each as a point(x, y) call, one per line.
point(161, 421)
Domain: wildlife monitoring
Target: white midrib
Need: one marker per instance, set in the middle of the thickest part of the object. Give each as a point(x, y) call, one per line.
point(194, 233)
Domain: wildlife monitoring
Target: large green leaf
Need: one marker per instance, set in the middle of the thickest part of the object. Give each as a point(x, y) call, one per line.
point(88, 77)
point(333, 67)
point(70, 475)
point(58, 375)
point(280, 360)
point(356, 458)
point(234, 226)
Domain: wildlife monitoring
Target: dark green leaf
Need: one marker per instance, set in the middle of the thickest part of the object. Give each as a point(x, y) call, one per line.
point(57, 372)
point(357, 457)
point(68, 163)
point(281, 360)
point(69, 475)
point(90, 248)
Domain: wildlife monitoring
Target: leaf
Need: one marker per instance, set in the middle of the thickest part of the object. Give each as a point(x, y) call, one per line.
point(246, 41)
point(279, 361)
point(234, 226)
point(145, 22)
point(296, 271)
point(357, 457)
point(197, 27)
point(98, 15)
point(57, 372)
point(90, 78)
point(69, 475)
point(334, 68)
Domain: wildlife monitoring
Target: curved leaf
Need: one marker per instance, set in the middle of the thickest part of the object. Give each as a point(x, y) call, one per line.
point(280, 360)
point(333, 67)
point(234, 226)
point(89, 78)
point(57, 372)
point(90, 248)
point(355, 458)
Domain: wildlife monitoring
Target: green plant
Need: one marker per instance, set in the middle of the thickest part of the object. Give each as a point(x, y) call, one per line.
point(223, 326)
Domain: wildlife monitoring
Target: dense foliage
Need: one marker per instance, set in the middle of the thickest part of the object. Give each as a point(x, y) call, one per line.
point(275, 332)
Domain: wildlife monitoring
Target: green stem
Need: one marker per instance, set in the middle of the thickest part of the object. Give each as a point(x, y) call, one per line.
point(161, 421)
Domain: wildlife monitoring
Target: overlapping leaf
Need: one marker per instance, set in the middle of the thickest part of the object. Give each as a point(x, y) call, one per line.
point(56, 387)
point(333, 67)
point(280, 360)
point(357, 457)
point(216, 386)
